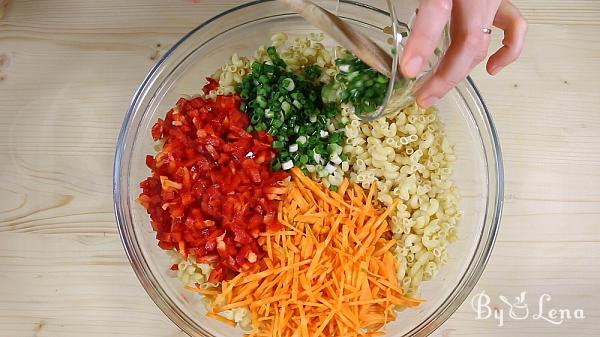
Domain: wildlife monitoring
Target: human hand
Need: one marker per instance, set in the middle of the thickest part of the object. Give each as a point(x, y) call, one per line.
point(469, 45)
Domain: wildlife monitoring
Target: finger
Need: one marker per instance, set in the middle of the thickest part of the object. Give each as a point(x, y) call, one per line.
point(514, 25)
point(469, 48)
point(427, 29)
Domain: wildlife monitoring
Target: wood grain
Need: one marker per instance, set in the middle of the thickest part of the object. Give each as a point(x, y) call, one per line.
point(68, 70)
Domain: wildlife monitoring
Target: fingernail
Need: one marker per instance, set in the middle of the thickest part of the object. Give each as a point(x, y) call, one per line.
point(428, 101)
point(413, 66)
point(495, 70)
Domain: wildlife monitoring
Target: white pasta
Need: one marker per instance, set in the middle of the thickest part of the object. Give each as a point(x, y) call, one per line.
point(189, 271)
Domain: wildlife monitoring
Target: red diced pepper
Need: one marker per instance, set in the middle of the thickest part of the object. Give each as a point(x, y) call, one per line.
point(213, 206)
point(166, 245)
point(177, 236)
point(211, 85)
point(157, 129)
point(217, 274)
point(208, 259)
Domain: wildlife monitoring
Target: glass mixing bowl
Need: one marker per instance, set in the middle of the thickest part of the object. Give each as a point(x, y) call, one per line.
point(478, 170)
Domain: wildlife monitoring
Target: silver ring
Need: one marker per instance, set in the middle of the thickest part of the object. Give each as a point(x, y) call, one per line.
point(487, 31)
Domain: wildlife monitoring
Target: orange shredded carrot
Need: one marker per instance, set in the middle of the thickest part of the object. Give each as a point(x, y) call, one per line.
point(221, 318)
point(330, 273)
point(202, 291)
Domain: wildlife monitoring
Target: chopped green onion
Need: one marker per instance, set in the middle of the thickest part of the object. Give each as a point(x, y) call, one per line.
point(276, 165)
point(364, 87)
point(317, 158)
point(276, 123)
point(256, 67)
point(292, 108)
point(285, 106)
point(313, 72)
point(336, 138)
point(263, 79)
point(287, 165)
point(262, 101)
point(288, 84)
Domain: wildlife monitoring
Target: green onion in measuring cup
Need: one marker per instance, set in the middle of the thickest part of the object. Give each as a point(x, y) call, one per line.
point(360, 85)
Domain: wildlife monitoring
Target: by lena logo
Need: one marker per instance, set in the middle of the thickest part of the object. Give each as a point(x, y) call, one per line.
point(518, 309)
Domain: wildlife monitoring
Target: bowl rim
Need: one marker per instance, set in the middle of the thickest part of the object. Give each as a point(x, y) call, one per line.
point(434, 320)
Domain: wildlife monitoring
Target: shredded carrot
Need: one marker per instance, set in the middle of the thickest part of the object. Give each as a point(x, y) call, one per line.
point(221, 318)
point(330, 273)
point(234, 305)
point(202, 291)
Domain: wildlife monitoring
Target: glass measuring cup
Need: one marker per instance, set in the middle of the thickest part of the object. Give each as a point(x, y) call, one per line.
point(399, 93)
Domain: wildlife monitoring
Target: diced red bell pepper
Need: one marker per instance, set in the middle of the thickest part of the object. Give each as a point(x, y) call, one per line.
point(211, 202)
point(217, 274)
point(211, 85)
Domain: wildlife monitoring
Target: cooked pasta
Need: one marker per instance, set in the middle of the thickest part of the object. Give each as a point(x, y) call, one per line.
point(188, 271)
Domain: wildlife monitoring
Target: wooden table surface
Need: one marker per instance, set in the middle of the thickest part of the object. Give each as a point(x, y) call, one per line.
point(68, 69)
